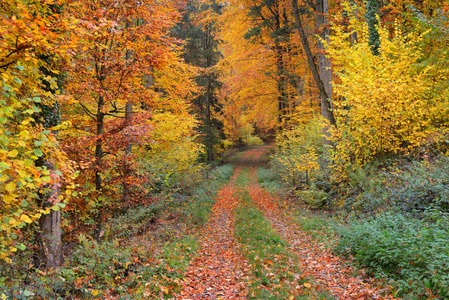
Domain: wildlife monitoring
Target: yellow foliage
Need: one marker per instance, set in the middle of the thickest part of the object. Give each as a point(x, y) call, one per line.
point(382, 103)
point(174, 150)
point(26, 33)
point(298, 151)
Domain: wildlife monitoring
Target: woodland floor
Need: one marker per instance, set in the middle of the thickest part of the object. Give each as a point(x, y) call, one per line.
point(291, 265)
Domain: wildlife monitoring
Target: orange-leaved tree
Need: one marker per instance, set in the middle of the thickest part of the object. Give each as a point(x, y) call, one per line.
point(121, 44)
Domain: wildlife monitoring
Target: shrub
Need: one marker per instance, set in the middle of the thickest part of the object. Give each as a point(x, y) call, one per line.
point(313, 197)
point(269, 179)
point(299, 151)
point(172, 157)
point(246, 134)
point(413, 252)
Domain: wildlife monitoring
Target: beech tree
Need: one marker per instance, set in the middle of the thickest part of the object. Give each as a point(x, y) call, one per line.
point(104, 81)
point(321, 74)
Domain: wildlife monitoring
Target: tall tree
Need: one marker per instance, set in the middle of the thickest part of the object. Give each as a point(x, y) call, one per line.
point(372, 18)
point(34, 39)
point(105, 81)
point(270, 16)
point(198, 30)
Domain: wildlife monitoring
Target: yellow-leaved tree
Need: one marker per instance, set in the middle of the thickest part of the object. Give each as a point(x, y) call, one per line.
point(33, 39)
point(382, 101)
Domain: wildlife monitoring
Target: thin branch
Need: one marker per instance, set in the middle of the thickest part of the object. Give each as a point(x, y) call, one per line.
point(89, 113)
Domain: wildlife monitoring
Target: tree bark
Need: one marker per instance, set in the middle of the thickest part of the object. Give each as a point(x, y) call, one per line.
point(326, 108)
point(129, 146)
point(98, 158)
point(50, 252)
point(324, 62)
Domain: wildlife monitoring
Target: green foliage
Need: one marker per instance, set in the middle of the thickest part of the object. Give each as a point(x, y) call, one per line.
point(117, 266)
point(22, 142)
point(413, 252)
point(372, 18)
point(269, 179)
point(299, 150)
point(413, 188)
point(97, 270)
point(313, 197)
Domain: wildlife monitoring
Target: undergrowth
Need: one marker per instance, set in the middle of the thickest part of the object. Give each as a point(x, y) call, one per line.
point(269, 179)
point(397, 213)
point(413, 252)
point(143, 254)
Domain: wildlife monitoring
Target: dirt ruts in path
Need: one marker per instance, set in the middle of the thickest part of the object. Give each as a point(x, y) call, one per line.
point(219, 271)
point(329, 271)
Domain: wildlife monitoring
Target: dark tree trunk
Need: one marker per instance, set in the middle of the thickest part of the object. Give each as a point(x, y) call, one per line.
point(98, 158)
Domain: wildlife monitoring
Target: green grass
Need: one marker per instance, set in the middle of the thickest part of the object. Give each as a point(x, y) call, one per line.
point(269, 180)
point(320, 227)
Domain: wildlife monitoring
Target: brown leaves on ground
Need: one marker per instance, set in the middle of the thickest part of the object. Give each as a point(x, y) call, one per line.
point(331, 272)
point(219, 271)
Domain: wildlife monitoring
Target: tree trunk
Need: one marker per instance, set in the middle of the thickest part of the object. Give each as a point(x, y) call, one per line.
point(98, 158)
point(50, 253)
point(326, 109)
point(324, 62)
point(324, 66)
point(128, 148)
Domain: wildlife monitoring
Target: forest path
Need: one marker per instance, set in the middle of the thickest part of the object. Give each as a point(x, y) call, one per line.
point(219, 271)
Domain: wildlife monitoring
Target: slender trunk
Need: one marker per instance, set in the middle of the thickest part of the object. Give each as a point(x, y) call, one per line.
point(209, 142)
point(128, 148)
point(279, 52)
point(98, 158)
point(326, 109)
point(324, 62)
point(324, 66)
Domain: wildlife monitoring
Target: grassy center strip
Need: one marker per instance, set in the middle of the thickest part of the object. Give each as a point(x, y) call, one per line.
point(275, 269)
